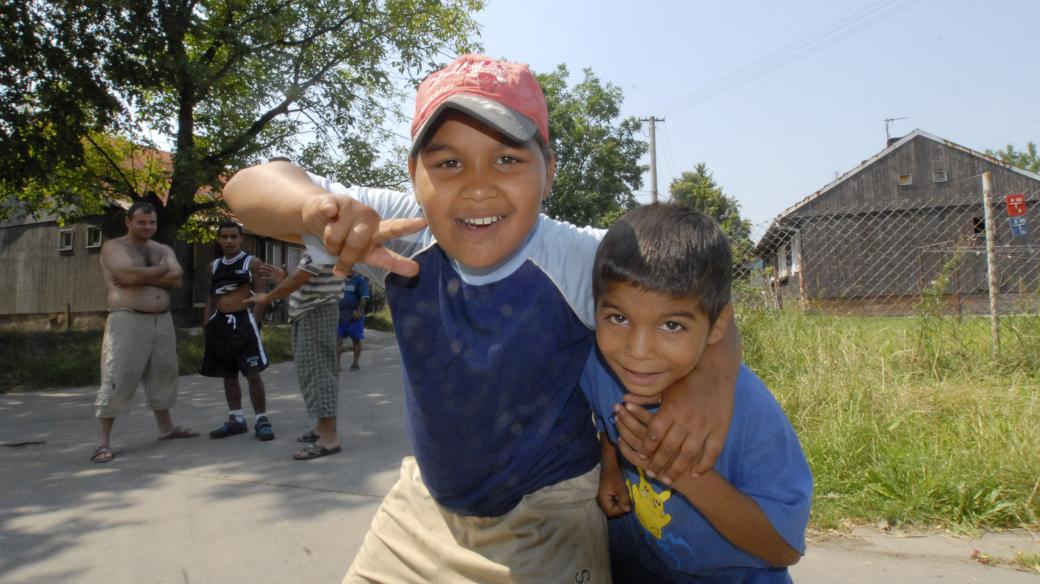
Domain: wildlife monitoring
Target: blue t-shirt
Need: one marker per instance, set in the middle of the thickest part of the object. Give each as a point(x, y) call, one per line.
point(492, 360)
point(354, 290)
point(665, 535)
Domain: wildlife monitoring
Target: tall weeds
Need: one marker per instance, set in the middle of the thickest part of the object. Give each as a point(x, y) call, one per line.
point(908, 420)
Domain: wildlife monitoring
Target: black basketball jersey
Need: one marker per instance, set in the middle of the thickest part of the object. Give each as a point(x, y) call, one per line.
point(229, 274)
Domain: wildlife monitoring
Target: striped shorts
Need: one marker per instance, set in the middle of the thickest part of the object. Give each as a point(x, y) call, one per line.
point(314, 352)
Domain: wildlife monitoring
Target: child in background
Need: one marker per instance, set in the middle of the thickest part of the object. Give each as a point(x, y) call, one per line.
point(232, 329)
point(661, 280)
point(492, 308)
point(352, 316)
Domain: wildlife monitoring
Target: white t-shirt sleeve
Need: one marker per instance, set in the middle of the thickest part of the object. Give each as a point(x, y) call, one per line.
point(388, 204)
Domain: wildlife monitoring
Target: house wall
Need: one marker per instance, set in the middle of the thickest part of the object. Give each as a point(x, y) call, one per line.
point(869, 237)
point(37, 280)
point(42, 287)
point(876, 187)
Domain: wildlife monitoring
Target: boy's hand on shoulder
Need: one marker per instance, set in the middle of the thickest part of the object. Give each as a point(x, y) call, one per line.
point(355, 233)
point(682, 437)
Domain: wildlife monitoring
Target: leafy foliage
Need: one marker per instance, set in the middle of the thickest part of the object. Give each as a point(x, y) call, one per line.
point(1028, 159)
point(597, 155)
point(699, 190)
point(223, 84)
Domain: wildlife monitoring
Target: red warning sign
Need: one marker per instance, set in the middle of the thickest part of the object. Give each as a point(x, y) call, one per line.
point(1016, 205)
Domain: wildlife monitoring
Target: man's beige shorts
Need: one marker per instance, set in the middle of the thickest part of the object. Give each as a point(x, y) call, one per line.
point(138, 348)
point(557, 534)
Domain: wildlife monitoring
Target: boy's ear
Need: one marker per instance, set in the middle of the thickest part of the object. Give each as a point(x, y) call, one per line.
point(550, 176)
point(411, 167)
point(718, 330)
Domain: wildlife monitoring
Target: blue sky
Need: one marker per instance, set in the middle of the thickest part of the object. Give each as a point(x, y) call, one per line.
point(787, 121)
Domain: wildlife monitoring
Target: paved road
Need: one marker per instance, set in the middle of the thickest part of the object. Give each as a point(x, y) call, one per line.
point(238, 510)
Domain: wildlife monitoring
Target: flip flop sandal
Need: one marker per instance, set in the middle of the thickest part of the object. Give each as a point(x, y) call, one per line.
point(102, 454)
point(315, 451)
point(308, 436)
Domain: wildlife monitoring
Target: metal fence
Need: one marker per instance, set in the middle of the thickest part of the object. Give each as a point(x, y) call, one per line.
point(863, 260)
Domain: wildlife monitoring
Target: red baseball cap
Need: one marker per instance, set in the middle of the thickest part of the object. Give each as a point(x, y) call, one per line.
point(501, 94)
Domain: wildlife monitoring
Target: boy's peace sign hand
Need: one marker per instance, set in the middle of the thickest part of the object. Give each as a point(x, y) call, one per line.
point(355, 233)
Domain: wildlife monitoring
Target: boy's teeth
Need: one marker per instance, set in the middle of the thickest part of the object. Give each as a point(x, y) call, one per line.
point(480, 221)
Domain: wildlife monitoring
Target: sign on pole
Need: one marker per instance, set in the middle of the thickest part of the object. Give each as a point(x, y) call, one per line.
point(1016, 204)
point(1018, 226)
point(1016, 210)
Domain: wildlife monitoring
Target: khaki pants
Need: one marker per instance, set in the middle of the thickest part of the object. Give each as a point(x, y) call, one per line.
point(557, 534)
point(137, 348)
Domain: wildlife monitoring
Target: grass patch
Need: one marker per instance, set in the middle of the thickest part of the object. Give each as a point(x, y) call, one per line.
point(39, 360)
point(380, 321)
point(908, 420)
point(1026, 561)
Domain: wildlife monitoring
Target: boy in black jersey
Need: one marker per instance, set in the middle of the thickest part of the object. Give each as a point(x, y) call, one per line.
point(233, 342)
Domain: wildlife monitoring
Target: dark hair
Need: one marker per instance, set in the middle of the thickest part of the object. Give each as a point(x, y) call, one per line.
point(229, 224)
point(435, 125)
point(668, 249)
point(140, 206)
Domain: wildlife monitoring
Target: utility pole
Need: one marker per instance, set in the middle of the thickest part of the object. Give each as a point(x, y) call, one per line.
point(653, 157)
point(991, 260)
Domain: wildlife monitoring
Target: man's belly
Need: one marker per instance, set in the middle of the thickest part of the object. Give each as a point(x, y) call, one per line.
point(234, 301)
point(139, 298)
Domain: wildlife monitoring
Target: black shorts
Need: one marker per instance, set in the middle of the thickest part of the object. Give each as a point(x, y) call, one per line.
point(233, 345)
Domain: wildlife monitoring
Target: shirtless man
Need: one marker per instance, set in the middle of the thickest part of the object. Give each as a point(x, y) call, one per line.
point(233, 343)
point(139, 344)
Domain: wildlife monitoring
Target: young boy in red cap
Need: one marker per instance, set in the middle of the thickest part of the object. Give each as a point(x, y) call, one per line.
point(492, 306)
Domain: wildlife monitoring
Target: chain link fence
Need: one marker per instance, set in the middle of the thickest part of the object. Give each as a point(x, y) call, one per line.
point(862, 260)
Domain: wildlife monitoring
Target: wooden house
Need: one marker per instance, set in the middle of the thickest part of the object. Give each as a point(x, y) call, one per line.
point(50, 276)
point(909, 219)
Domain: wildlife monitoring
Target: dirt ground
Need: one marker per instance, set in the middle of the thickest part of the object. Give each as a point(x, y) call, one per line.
point(868, 554)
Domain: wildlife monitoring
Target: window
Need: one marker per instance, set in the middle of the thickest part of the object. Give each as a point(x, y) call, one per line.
point(939, 175)
point(65, 240)
point(978, 228)
point(781, 262)
point(906, 180)
point(93, 237)
point(273, 252)
point(292, 258)
point(796, 253)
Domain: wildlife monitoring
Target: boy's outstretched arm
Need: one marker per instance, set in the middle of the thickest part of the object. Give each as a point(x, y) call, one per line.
point(688, 432)
point(278, 199)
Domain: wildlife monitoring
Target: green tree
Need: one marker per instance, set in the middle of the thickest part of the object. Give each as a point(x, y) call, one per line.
point(699, 190)
point(222, 83)
point(597, 154)
point(1028, 159)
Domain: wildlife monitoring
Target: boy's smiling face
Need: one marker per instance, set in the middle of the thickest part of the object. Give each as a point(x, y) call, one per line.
point(652, 340)
point(481, 193)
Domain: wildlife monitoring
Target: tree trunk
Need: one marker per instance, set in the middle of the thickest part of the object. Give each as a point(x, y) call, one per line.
point(174, 214)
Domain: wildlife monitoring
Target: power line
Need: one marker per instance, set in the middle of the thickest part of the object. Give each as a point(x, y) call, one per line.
point(813, 43)
point(1029, 125)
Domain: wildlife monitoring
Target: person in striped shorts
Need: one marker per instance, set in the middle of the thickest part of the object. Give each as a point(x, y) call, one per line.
point(313, 293)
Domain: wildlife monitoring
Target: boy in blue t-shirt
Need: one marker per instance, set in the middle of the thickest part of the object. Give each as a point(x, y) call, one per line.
point(661, 281)
point(492, 309)
point(352, 315)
